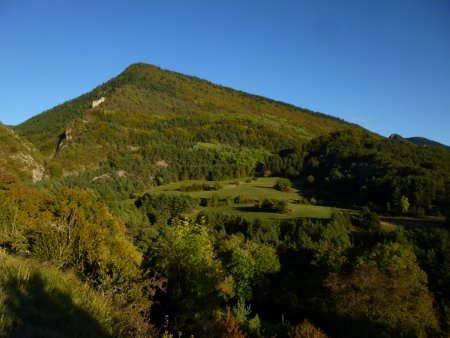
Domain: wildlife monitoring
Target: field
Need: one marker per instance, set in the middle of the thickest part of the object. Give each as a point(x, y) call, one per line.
point(256, 190)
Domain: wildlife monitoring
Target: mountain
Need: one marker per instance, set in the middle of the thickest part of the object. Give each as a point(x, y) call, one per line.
point(19, 156)
point(420, 141)
point(162, 119)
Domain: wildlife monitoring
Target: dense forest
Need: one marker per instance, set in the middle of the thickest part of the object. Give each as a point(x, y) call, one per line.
point(152, 217)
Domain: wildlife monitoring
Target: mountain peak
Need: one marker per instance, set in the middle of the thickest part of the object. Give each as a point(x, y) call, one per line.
point(138, 99)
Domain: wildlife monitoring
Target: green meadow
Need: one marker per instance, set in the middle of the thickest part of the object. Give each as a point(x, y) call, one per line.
point(262, 187)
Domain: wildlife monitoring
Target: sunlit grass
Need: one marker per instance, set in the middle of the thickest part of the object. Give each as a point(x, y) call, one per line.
point(40, 301)
point(258, 189)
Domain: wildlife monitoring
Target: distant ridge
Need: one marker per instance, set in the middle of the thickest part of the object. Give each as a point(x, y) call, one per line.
point(420, 141)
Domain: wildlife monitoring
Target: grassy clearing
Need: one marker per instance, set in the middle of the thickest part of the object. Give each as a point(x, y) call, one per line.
point(256, 190)
point(262, 187)
point(40, 301)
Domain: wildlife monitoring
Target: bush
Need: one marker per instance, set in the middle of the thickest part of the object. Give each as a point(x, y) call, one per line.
point(283, 184)
point(303, 200)
point(306, 330)
point(273, 205)
point(368, 220)
point(240, 199)
point(200, 187)
point(310, 179)
point(280, 206)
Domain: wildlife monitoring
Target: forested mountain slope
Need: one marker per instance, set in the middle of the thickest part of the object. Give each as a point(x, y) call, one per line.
point(152, 115)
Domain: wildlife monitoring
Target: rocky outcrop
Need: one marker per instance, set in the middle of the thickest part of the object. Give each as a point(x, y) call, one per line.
point(162, 164)
point(98, 102)
point(101, 177)
point(19, 155)
point(118, 173)
point(63, 139)
point(35, 169)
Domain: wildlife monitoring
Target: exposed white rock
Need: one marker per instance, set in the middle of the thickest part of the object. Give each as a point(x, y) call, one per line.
point(98, 102)
point(162, 164)
point(118, 173)
point(101, 177)
point(121, 173)
point(36, 170)
point(64, 138)
point(37, 174)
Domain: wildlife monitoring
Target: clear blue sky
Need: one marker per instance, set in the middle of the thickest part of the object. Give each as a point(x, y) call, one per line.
point(383, 64)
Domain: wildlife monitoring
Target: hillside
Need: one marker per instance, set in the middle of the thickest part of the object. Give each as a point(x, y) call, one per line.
point(152, 115)
point(20, 156)
point(351, 169)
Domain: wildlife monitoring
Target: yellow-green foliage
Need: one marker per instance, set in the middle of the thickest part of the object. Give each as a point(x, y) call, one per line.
point(184, 254)
point(247, 262)
point(306, 330)
point(69, 229)
point(387, 286)
point(82, 233)
point(72, 230)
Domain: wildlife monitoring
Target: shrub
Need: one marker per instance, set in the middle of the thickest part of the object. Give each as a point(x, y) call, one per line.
point(283, 184)
point(368, 220)
point(240, 199)
point(272, 205)
point(303, 200)
point(306, 330)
